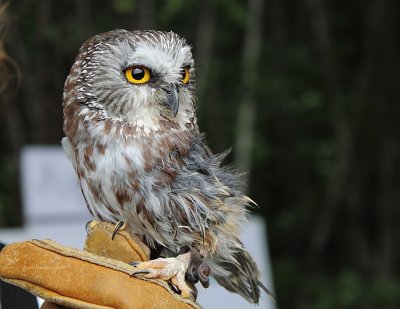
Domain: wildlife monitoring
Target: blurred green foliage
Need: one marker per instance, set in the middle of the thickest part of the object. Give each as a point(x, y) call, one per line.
point(326, 157)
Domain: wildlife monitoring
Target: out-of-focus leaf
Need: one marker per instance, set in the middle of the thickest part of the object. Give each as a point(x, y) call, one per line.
point(124, 6)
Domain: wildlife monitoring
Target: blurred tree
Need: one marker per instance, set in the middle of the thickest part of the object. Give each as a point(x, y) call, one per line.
point(249, 79)
point(341, 127)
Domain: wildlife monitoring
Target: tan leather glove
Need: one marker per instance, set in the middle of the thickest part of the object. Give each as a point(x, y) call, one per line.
point(97, 278)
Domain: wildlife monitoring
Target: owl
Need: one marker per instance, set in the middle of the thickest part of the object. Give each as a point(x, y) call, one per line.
point(133, 140)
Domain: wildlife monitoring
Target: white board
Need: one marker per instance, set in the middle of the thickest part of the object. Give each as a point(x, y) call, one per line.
point(50, 191)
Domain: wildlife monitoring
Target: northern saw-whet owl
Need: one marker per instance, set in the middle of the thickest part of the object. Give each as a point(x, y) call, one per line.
point(132, 137)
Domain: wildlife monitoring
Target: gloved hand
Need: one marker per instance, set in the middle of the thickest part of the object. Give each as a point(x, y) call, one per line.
point(98, 277)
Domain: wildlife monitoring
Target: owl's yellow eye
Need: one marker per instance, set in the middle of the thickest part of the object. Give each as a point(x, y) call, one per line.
point(185, 75)
point(137, 74)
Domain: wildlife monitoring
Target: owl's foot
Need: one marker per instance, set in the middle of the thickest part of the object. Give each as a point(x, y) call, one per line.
point(173, 269)
point(119, 226)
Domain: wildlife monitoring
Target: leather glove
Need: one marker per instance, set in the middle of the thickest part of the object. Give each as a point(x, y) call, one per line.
point(97, 278)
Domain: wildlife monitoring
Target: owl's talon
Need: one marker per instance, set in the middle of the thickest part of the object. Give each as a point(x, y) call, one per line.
point(118, 226)
point(87, 228)
point(205, 283)
point(168, 269)
point(193, 294)
point(141, 272)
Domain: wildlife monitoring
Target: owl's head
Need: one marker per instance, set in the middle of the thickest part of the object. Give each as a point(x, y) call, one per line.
point(141, 77)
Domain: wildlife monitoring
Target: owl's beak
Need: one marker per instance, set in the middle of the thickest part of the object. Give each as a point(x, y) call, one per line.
point(172, 101)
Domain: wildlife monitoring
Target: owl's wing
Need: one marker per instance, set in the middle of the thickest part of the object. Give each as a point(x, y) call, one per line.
point(244, 274)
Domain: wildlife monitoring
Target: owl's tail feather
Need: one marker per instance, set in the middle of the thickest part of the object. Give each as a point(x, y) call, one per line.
point(267, 291)
point(244, 277)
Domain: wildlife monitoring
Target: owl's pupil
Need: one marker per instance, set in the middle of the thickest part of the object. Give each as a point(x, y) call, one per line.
point(138, 73)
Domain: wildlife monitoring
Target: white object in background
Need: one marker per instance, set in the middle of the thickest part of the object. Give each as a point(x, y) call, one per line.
point(53, 205)
point(50, 188)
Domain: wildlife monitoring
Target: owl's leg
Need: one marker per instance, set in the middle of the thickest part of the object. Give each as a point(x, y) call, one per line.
point(173, 269)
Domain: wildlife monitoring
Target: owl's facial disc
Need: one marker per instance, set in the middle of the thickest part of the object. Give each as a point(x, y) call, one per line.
point(145, 78)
